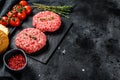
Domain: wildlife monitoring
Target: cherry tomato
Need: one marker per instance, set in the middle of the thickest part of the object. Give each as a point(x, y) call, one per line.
point(3, 22)
point(17, 7)
point(15, 21)
point(21, 15)
point(28, 9)
point(23, 3)
point(12, 13)
point(5, 18)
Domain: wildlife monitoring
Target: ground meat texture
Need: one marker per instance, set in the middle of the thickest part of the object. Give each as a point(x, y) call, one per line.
point(47, 21)
point(30, 40)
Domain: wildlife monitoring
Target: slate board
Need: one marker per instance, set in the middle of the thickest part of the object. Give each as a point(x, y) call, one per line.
point(53, 39)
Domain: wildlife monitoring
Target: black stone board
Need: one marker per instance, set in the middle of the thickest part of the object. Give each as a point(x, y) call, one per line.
point(53, 39)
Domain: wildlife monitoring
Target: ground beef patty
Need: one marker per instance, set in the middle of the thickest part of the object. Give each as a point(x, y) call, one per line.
point(47, 21)
point(30, 40)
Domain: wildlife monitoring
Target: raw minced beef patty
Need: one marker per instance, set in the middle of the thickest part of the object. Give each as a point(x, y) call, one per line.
point(30, 40)
point(47, 21)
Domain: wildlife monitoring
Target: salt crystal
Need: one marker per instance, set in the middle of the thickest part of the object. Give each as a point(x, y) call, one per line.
point(64, 51)
point(58, 47)
point(39, 75)
point(83, 70)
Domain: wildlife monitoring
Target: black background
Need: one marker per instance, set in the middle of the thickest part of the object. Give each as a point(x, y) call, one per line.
point(90, 50)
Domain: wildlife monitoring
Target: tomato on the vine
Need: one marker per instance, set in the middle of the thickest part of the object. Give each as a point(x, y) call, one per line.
point(4, 20)
point(14, 21)
point(12, 13)
point(17, 7)
point(23, 3)
point(21, 15)
point(18, 13)
point(28, 9)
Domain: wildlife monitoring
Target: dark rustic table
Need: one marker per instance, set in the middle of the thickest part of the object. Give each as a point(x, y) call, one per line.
point(91, 48)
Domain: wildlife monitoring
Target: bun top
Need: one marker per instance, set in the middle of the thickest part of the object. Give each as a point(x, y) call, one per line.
point(4, 29)
point(4, 41)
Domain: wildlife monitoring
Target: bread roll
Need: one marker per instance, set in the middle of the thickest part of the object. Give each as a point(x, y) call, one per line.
point(4, 29)
point(4, 41)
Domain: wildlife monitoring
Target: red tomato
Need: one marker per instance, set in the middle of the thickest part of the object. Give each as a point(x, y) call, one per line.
point(3, 22)
point(5, 18)
point(28, 9)
point(23, 3)
point(12, 13)
point(21, 15)
point(17, 7)
point(14, 21)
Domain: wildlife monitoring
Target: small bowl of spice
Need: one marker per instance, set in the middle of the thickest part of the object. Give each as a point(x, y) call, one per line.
point(15, 60)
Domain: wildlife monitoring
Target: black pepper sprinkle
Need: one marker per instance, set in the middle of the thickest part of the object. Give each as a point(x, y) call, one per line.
point(33, 37)
point(51, 18)
point(26, 34)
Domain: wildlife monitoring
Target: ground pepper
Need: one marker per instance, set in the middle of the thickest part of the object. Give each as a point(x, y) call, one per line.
point(16, 62)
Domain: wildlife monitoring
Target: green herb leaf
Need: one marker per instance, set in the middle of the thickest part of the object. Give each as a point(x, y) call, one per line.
point(61, 10)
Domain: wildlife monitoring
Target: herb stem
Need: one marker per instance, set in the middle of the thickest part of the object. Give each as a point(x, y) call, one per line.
point(61, 10)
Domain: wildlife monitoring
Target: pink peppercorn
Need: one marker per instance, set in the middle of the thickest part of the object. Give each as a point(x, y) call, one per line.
point(16, 62)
